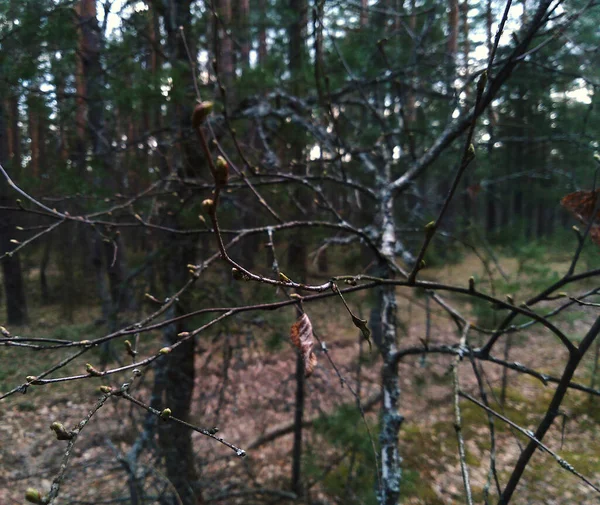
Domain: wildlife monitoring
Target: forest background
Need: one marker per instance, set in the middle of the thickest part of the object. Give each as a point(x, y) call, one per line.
point(310, 252)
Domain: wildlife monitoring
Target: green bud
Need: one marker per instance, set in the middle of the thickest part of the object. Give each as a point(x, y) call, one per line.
point(221, 171)
point(32, 495)
point(61, 432)
point(165, 415)
point(129, 348)
point(91, 370)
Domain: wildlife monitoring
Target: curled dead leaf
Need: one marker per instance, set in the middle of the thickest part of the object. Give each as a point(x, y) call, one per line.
point(582, 205)
point(301, 335)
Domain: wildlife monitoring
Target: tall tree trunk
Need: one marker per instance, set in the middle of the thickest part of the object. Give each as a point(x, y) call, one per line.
point(297, 251)
point(44, 288)
point(90, 46)
point(390, 418)
point(178, 369)
point(224, 49)
point(466, 46)
point(178, 374)
point(243, 33)
point(13, 132)
point(364, 13)
point(452, 44)
point(34, 135)
point(262, 33)
point(14, 289)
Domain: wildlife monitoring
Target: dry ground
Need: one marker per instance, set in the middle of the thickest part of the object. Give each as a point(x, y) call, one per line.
point(246, 388)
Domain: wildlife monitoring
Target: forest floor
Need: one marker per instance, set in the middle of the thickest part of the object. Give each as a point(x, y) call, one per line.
point(245, 385)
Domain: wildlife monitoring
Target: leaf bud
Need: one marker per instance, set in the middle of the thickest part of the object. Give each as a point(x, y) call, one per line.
point(32, 495)
point(33, 380)
point(106, 390)
point(284, 278)
point(221, 171)
point(214, 430)
point(148, 296)
point(201, 112)
point(92, 371)
point(61, 432)
point(165, 415)
point(165, 350)
point(471, 283)
point(208, 206)
point(129, 348)
point(237, 274)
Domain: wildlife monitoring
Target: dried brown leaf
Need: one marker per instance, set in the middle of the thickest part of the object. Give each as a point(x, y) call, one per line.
point(301, 335)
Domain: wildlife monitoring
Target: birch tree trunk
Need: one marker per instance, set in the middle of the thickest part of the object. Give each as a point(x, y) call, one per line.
point(390, 418)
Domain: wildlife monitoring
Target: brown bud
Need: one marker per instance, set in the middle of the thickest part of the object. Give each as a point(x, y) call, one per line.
point(201, 112)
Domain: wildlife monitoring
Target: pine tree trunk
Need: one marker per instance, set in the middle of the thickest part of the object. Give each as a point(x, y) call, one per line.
point(44, 288)
point(178, 370)
point(14, 288)
point(262, 33)
point(178, 374)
